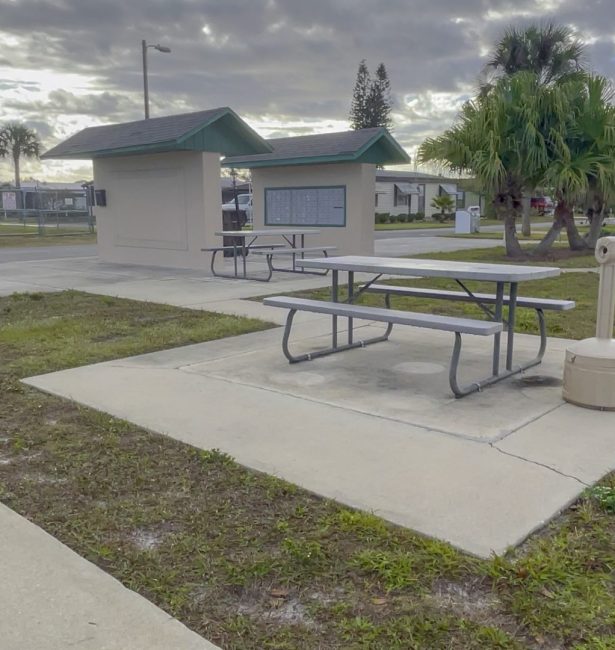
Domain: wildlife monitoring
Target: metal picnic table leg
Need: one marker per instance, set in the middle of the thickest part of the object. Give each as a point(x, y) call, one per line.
point(243, 255)
point(350, 296)
point(499, 304)
point(512, 308)
point(334, 298)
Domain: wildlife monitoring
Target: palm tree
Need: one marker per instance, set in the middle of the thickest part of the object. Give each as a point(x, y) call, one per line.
point(498, 138)
point(582, 158)
point(552, 52)
point(444, 204)
point(18, 140)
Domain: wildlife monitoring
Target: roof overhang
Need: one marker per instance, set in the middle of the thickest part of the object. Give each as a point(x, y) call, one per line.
point(381, 149)
point(407, 188)
point(448, 188)
point(224, 132)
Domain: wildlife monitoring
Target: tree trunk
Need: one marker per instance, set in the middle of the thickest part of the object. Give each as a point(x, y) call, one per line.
point(526, 227)
point(552, 234)
point(575, 241)
point(595, 216)
point(17, 176)
point(18, 194)
point(507, 208)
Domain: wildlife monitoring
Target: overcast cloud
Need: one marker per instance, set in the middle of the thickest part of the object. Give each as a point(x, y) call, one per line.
point(287, 66)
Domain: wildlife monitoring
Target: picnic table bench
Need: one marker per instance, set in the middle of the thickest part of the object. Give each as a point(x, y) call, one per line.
point(246, 245)
point(460, 271)
point(539, 305)
point(295, 253)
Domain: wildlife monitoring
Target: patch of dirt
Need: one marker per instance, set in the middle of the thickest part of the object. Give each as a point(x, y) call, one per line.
point(288, 611)
point(146, 540)
point(470, 599)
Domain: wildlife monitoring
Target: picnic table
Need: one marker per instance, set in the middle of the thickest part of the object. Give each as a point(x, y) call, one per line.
point(292, 245)
point(461, 272)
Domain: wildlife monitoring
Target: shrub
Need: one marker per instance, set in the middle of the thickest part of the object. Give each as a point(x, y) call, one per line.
point(420, 216)
point(382, 217)
point(402, 218)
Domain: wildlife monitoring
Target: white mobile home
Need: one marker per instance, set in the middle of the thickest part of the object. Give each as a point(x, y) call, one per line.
point(400, 192)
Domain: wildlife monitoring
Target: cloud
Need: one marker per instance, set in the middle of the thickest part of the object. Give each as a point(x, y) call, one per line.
point(288, 62)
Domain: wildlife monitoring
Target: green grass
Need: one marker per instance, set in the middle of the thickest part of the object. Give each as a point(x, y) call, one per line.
point(535, 236)
point(250, 561)
point(558, 256)
point(414, 225)
point(13, 236)
point(576, 324)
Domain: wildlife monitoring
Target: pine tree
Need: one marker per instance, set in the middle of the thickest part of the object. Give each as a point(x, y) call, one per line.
point(371, 100)
point(358, 109)
point(379, 100)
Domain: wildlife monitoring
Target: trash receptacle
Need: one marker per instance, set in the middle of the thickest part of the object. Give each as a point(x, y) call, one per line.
point(463, 222)
point(232, 220)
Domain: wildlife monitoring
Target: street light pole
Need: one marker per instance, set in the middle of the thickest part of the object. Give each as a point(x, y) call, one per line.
point(145, 88)
point(144, 46)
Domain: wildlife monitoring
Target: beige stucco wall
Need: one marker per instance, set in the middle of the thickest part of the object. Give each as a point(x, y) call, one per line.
point(161, 208)
point(357, 237)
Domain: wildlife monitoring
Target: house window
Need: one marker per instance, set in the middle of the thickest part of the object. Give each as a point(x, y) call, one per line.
point(461, 200)
point(400, 198)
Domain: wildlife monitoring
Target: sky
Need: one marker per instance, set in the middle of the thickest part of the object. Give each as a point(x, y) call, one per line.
point(287, 67)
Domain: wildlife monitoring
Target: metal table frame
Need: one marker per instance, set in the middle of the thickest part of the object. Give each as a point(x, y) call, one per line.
point(496, 315)
point(241, 251)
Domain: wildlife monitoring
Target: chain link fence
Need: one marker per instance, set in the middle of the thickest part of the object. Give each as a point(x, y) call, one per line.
point(45, 213)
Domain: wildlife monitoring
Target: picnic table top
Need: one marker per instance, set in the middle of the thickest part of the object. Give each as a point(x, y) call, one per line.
point(262, 233)
point(431, 268)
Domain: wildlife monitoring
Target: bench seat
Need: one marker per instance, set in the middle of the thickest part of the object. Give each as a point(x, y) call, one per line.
point(252, 248)
point(297, 251)
point(415, 319)
point(461, 296)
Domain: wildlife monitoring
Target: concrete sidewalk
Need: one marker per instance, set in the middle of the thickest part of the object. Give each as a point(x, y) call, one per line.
point(53, 599)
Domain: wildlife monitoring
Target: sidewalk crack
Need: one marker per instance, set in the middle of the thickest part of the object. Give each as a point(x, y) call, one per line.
point(535, 462)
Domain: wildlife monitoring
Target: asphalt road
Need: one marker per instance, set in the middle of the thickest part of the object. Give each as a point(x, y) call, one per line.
point(433, 241)
point(37, 253)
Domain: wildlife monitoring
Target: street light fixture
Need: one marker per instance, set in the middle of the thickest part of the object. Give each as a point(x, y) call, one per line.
point(160, 48)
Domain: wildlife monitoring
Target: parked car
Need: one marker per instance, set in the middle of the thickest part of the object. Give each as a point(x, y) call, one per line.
point(542, 204)
point(245, 205)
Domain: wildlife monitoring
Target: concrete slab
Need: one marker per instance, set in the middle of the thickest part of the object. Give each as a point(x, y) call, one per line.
point(571, 440)
point(361, 429)
point(52, 598)
point(404, 379)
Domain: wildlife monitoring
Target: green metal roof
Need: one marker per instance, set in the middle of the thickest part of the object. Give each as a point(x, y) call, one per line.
point(218, 130)
point(374, 145)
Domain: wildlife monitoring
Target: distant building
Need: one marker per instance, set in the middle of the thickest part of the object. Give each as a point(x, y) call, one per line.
point(400, 192)
point(39, 195)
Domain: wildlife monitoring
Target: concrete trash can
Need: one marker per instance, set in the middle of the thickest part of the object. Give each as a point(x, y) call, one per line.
point(589, 371)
